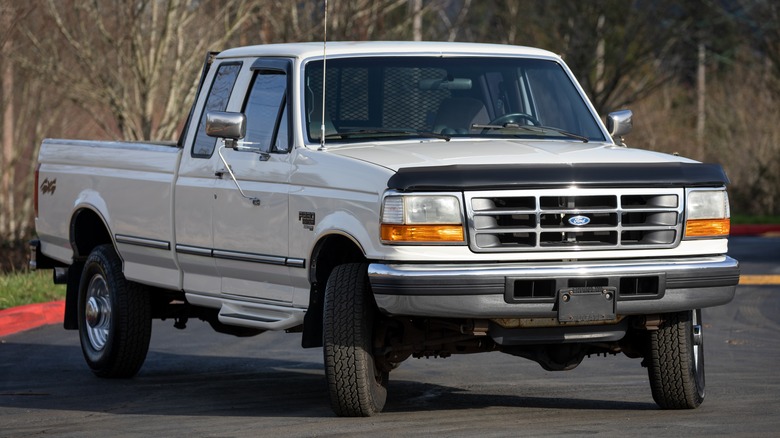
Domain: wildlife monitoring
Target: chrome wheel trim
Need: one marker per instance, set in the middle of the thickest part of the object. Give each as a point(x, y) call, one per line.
point(97, 312)
point(698, 347)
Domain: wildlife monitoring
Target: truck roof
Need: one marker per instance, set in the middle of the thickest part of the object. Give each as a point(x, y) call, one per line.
point(363, 48)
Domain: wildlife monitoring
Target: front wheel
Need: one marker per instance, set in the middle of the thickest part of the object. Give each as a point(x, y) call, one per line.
point(357, 387)
point(114, 316)
point(675, 361)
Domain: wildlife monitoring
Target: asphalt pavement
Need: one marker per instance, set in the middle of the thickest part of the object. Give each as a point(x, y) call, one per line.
point(196, 382)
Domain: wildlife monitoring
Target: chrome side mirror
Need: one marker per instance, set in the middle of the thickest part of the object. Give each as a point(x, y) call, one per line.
point(619, 123)
point(230, 126)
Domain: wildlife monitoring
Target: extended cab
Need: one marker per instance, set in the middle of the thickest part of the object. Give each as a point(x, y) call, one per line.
point(388, 201)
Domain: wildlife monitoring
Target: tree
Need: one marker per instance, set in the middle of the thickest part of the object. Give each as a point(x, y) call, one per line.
point(128, 69)
point(760, 19)
point(19, 99)
point(619, 50)
point(133, 65)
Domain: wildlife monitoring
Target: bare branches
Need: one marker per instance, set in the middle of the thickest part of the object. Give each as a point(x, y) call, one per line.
point(128, 69)
point(135, 61)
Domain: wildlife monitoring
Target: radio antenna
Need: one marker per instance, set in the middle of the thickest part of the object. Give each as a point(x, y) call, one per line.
point(324, 75)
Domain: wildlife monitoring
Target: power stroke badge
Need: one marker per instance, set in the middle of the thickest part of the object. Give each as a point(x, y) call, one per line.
point(307, 218)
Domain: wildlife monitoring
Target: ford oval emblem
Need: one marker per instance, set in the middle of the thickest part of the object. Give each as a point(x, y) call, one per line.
point(579, 221)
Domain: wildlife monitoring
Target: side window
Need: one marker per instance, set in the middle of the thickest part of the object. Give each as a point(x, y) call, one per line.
point(266, 112)
point(282, 143)
point(217, 100)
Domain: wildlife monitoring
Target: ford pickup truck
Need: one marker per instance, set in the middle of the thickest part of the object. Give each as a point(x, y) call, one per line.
point(387, 201)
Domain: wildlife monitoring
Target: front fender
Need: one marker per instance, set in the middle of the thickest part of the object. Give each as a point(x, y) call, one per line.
point(342, 224)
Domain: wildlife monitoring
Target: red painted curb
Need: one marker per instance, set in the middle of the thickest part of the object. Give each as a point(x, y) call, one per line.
point(19, 319)
point(754, 230)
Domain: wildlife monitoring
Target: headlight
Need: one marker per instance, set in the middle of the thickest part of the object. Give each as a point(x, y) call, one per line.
point(707, 214)
point(422, 219)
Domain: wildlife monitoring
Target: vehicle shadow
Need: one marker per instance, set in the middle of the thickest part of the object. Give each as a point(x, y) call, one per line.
point(47, 377)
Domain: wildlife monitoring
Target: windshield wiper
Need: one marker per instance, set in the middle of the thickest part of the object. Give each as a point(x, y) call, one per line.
point(382, 132)
point(532, 128)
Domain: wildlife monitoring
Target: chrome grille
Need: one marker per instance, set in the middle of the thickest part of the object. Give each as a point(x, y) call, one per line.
point(574, 219)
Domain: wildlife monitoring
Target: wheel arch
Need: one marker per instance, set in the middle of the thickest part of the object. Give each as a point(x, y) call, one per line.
point(88, 229)
point(330, 251)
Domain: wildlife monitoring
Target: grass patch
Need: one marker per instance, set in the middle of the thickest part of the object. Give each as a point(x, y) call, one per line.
point(19, 288)
point(742, 219)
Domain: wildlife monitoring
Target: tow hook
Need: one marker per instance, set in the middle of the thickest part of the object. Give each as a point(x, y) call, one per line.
point(651, 322)
point(475, 327)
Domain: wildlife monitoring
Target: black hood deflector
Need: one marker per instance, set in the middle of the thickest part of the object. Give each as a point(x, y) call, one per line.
point(531, 176)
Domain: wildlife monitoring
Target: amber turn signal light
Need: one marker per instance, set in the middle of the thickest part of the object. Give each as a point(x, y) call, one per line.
point(393, 233)
point(707, 227)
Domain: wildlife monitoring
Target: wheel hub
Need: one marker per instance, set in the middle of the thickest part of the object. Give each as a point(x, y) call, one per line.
point(96, 311)
point(698, 337)
point(697, 332)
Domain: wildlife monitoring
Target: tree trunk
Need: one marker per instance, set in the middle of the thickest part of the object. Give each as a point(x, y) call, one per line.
point(701, 94)
point(600, 54)
point(416, 20)
point(7, 219)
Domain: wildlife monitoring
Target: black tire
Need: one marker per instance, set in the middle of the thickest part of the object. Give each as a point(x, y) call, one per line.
point(114, 316)
point(357, 388)
point(676, 361)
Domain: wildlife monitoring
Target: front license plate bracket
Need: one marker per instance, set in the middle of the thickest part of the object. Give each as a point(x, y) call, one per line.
point(586, 304)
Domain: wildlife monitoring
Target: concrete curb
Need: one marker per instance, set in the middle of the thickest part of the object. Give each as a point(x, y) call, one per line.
point(22, 318)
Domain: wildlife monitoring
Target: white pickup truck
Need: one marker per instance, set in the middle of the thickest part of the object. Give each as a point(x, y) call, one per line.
point(416, 200)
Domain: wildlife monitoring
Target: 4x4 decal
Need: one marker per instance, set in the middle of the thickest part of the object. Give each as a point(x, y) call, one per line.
point(49, 186)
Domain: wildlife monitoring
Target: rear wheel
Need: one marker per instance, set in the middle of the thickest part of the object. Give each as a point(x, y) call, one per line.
point(114, 316)
point(357, 387)
point(676, 361)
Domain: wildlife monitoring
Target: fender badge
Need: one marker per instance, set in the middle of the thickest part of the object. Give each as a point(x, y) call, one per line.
point(579, 221)
point(49, 186)
point(308, 219)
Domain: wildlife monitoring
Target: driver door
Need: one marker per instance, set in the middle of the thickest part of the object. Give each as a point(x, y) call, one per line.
point(251, 229)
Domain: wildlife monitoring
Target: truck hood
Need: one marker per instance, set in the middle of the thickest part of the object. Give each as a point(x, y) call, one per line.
point(398, 155)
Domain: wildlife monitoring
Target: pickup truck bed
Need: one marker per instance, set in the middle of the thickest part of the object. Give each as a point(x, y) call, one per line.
point(147, 170)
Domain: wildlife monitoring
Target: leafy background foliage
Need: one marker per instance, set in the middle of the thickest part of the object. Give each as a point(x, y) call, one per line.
point(702, 76)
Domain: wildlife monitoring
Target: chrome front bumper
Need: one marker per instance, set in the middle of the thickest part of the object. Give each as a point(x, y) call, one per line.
point(490, 291)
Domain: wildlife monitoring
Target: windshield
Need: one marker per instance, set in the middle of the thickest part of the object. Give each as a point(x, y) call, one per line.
point(390, 97)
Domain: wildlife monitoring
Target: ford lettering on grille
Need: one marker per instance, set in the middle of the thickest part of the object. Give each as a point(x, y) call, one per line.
point(579, 221)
